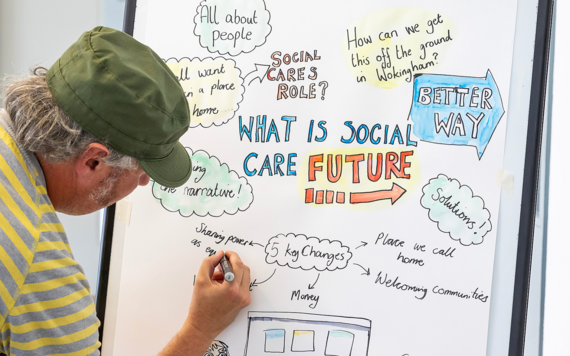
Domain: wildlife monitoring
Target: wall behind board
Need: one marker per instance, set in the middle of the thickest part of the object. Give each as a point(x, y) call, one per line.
point(36, 33)
point(557, 308)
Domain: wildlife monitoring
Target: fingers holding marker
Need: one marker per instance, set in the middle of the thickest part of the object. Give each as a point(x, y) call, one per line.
point(245, 284)
point(242, 278)
point(218, 275)
point(209, 265)
point(245, 273)
point(227, 269)
point(236, 264)
point(220, 267)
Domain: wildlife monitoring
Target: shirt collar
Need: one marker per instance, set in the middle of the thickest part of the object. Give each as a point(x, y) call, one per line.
point(31, 160)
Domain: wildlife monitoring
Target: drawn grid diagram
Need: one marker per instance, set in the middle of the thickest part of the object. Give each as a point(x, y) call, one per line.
point(310, 334)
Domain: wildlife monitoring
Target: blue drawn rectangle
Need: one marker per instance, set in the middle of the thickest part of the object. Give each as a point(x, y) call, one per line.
point(275, 340)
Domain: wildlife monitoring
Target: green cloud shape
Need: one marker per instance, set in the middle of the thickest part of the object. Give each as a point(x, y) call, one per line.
point(456, 210)
point(213, 189)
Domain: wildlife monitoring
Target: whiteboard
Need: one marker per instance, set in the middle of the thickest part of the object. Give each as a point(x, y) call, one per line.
point(375, 264)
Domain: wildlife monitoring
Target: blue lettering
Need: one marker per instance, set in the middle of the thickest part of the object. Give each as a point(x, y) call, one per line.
point(324, 129)
point(243, 129)
point(397, 134)
point(266, 165)
point(272, 131)
point(362, 140)
point(278, 159)
point(291, 164)
point(289, 119)
point(349, 125)
point(260, 128)
point(245, 169)
point(377, 126)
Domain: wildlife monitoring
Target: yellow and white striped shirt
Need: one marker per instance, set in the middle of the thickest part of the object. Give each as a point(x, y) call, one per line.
point(45, 302)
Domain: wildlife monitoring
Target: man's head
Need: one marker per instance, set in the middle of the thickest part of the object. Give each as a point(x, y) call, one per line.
point(92, 174)
point(106, 116)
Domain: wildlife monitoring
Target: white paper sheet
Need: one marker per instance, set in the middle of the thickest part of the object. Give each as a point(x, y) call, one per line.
point(345, 259)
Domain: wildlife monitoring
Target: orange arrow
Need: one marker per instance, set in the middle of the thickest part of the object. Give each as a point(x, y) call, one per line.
point(368, 197)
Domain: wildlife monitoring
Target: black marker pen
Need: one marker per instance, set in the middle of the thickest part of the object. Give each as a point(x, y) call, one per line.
point(227, 269)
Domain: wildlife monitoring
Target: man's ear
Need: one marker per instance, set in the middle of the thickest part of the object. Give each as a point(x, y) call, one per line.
point(89, 165)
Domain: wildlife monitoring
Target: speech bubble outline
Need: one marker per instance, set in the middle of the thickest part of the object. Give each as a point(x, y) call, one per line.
point(441, 129)
point(166, 196)
point(443, 185)
point(213, 21)
point(182, 77)
point(300, 239)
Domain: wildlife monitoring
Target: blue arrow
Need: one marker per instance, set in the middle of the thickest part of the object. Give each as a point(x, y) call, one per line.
point(454, 110)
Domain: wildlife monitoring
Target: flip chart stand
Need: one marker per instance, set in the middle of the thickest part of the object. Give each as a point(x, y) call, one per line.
point(531, 174)
point(529, 189)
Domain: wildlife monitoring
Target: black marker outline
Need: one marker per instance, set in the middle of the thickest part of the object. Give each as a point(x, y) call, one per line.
point(242, 85)
point(472, 195)
point(228, 53)
point(207, 214)
point(292, 318)
point(300, 267)
point(460, 76)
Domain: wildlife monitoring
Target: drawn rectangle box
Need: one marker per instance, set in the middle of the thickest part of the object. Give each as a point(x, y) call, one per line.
point(274, 340)
point(309, 193)
point(303, 341)
point(330, 196)
point(339, 343)
point(321, 196)
point(308, 334)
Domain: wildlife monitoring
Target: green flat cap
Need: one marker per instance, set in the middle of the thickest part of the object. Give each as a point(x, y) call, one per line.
point(121, 92)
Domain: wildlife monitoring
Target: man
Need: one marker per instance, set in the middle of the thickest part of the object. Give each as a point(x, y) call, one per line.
point(104, 119)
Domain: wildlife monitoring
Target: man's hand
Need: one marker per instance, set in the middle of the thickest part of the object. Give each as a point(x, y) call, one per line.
point(215, 304)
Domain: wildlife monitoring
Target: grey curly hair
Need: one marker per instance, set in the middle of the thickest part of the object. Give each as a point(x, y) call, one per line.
point(41, 127)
